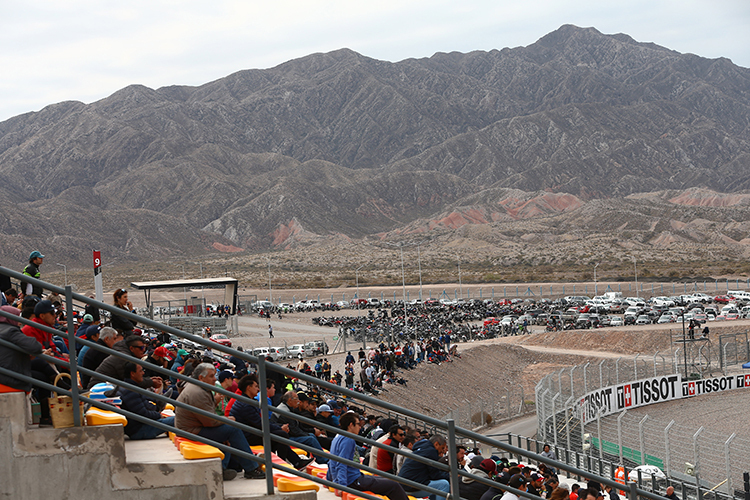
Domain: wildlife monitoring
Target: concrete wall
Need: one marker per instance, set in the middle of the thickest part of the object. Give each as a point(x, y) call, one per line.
point(89, 463)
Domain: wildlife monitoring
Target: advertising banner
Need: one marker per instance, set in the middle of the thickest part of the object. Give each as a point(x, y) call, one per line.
point(615, 398)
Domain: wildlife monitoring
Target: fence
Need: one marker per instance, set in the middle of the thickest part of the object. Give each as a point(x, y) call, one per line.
point(700, 458)
point(449, 428)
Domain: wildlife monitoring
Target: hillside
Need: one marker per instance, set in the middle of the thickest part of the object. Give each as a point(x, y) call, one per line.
point(576, 134)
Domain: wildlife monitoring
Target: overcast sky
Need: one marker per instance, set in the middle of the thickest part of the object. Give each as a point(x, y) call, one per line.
point(85, 50)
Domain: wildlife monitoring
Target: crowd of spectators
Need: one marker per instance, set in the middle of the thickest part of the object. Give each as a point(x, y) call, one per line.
point(308, 417)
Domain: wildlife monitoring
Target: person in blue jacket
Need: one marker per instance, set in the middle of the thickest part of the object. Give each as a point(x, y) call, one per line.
point(419, 472)
point(346, 475)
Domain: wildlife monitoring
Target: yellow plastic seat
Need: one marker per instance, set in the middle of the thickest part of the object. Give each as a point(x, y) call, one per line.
point(96, 416)
point(287, 484)
point(197, 451)
point(300, 451)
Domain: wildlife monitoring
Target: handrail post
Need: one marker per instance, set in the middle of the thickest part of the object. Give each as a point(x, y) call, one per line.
point(73, 357)
point(265, 424)
point(619, 434)
point(727, 443)
point(453, 459)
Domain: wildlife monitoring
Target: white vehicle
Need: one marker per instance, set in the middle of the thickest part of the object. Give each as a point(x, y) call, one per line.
point(343, 304)
point(635, 301)
point(616, 321)
point(281, 353)
point(296, 350)
point(611, 296)
point(373, 302)
point(264, 352)
point(632, 311)
point(264, 304)
point(643, 320)
point(662, 301)
point(284, 306)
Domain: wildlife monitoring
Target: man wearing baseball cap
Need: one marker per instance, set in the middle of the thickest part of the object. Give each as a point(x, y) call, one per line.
point(160, 357)
point(32, 270)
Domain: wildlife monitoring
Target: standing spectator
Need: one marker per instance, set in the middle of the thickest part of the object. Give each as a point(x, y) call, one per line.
point(139, 404)
point(210, 428)
point(270, 331)
point(120, 323)
point(429, 475)
point(345, 475)
point(32, 270)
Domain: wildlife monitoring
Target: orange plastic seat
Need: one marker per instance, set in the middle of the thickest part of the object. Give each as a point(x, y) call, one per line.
point(97, 416)
point(197, 451)
point(6, 389)
point(287, 484)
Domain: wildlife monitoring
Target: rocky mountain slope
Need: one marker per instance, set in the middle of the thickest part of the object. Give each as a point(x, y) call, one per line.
point(578, 137)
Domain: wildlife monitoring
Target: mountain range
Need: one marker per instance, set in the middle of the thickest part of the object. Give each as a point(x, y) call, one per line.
point(580, 136)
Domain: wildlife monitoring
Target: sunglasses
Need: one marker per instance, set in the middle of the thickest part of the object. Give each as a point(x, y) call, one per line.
point(140, 347)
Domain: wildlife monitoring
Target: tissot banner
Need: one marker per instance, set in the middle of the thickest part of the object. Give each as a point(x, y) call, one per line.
point(615, 398)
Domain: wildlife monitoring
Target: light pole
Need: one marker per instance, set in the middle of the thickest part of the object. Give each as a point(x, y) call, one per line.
point(184, 290)
point(419, 263)
point(635, 268)
point(270, 296)
point(356, 272)
point(403, 291)
point(460, 286)
point(595, 289)
point(65, 270)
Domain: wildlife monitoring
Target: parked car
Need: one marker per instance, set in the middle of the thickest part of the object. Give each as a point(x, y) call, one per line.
point(296, 350)
point(643, 319)
point(281, 352)
point(222, 339)
point(265, 352)
point(316, 348)
point(616, 321)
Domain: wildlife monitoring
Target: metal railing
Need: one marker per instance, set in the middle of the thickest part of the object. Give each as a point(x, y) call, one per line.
point(447, 428)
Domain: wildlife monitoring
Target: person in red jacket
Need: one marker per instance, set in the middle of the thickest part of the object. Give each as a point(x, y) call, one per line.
point(44, 314)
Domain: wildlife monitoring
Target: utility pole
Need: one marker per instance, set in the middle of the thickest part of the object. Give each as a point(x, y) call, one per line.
point(419, 263)
point(595, 289)
point(65, 270)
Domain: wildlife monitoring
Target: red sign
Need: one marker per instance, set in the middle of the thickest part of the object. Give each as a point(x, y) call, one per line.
point(628, 395)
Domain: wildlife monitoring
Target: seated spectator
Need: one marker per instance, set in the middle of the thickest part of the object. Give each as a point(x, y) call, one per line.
point(211, 428)
point(406, 445)
point(114, 366)
point(384, 460)
point(88, 321)
point(161, 357)
point(92, 335)
point(139, 404)
point(248, 414)
point(16, 361)
point(92, 358)
point(290, 402)
point(308, 410)
point(9, 297)
point(429, 475)
point(470, 488)
point(352, 477)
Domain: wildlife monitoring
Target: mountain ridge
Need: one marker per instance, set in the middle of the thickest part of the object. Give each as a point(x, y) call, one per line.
point(340, 145)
